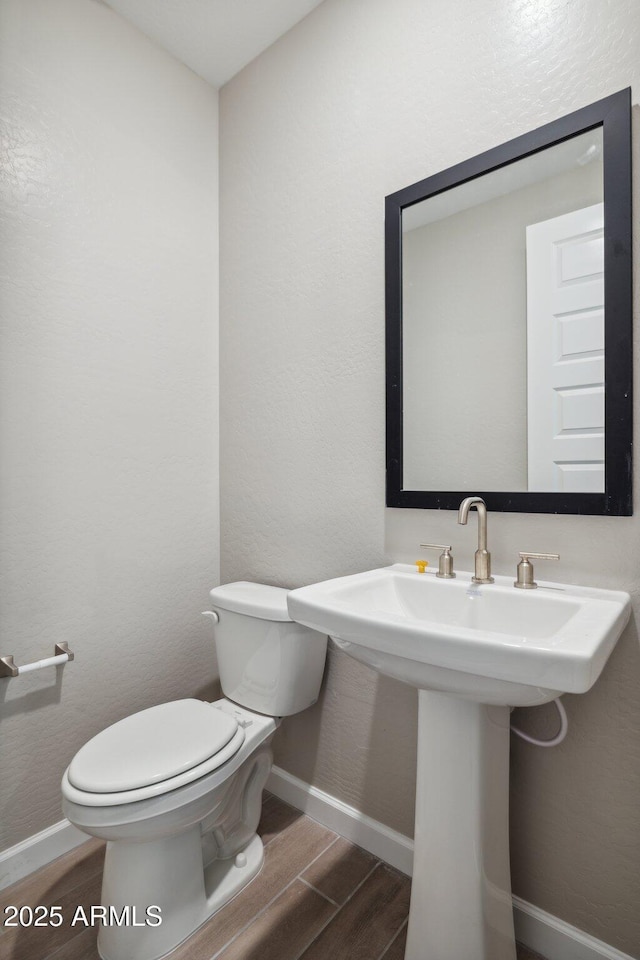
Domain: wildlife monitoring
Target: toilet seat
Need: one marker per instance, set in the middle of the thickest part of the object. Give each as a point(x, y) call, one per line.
point(153, 752)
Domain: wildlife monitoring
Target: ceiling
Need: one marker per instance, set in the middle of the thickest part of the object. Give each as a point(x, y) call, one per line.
point(216, 38)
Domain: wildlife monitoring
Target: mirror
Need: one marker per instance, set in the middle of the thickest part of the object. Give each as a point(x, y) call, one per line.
point(509, 324)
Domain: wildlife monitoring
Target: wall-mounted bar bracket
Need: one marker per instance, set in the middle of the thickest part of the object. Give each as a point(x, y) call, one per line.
point(8, 667)
point(63, 647)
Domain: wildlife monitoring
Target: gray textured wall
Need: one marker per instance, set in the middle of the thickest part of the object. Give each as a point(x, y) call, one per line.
point(108, 392)
point(358, 100)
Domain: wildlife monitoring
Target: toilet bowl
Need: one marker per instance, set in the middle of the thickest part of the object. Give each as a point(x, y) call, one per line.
point(176, 789)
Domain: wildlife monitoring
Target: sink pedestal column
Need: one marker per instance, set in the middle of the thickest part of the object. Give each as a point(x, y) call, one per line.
point(461, 907)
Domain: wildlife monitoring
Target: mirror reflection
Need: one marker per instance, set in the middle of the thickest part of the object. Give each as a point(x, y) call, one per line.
point(503, 328)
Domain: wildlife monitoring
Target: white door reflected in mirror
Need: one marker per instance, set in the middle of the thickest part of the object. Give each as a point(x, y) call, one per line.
point(565, 352)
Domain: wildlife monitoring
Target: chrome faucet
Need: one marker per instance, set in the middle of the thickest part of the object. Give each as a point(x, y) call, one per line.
point(482, 557)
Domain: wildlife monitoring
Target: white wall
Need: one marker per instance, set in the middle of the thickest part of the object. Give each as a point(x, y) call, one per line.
point(108, 389)
point(360, 99)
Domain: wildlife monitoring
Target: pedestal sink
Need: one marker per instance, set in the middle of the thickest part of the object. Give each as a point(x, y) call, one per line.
point(474, 651)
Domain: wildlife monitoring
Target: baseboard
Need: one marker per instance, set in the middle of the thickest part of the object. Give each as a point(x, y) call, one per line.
point(536, 929)
point(37, 851)
point(381, 841)
point(553, 938)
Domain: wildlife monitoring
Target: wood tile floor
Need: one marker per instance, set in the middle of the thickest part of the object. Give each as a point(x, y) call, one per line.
point(318, 897)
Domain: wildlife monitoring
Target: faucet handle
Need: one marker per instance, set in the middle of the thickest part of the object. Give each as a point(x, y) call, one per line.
point(524, 569)
point(445, 563)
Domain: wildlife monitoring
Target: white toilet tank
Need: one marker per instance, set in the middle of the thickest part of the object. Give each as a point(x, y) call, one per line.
point(267, 662)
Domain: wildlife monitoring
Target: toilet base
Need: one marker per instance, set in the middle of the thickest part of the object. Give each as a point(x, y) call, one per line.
point(187, 876)
point(186, 895)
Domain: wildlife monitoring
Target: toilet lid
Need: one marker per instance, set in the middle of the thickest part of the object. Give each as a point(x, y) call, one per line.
point(152, 746)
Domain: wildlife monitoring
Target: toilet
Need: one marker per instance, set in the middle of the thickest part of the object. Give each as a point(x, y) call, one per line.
point(176, 789)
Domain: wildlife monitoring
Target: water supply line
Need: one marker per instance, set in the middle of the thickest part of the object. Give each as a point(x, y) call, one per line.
point(553, 741)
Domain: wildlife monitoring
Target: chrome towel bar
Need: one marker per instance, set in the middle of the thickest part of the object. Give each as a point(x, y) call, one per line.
point(10, 669)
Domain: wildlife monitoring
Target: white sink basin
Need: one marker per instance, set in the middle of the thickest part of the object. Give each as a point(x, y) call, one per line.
point(490, 643)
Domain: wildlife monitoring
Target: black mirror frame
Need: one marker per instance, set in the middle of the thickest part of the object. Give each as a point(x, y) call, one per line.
point(613, 114)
